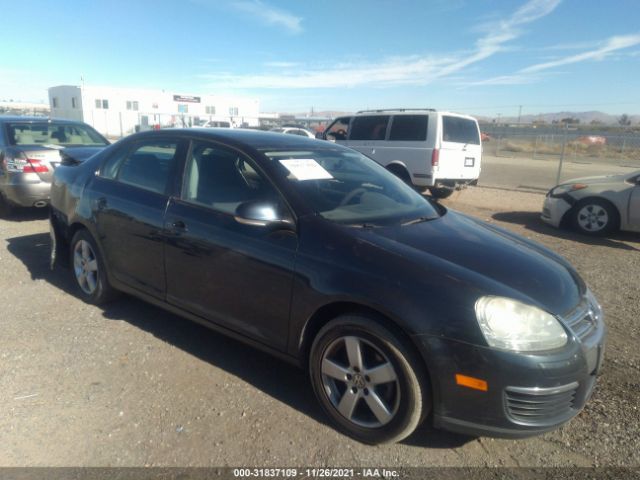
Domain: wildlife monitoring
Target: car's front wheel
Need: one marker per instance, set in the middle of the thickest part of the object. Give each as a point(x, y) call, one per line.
point(594, 216)
point(368, 380)
point(88, 269)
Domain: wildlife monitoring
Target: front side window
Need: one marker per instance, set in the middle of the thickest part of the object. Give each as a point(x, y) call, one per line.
point(369, 128)
point(148, 166)
point(338, 129)
point(222, 179)
point(346, 187)
point(460, 130)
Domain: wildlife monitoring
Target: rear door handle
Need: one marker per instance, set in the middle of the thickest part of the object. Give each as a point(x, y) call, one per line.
point(177, 226)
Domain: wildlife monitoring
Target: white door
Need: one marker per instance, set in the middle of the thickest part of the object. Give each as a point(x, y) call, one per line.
point(460, 149)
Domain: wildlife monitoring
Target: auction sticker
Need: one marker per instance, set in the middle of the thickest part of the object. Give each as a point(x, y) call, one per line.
point(305, 169)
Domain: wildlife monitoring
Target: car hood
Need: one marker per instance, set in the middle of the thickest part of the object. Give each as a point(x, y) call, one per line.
point(602, 179)
point(510, 264)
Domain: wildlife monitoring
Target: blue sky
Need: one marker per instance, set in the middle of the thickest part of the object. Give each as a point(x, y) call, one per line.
point(478, 56)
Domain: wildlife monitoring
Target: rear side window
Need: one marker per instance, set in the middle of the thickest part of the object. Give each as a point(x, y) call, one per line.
point(369, 128)
point(409, 128)
point(460, 130)
point(147, 166)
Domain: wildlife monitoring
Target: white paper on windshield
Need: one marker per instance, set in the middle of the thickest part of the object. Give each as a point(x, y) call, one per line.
point(305, 169)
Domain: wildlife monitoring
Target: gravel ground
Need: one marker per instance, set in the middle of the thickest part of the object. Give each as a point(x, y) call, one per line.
point(132, 385)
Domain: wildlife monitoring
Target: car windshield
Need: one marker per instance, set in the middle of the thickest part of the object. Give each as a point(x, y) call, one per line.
point(51, 133)
point(346, 187)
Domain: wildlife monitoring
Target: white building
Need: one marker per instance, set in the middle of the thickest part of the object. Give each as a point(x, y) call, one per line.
point(120, 111)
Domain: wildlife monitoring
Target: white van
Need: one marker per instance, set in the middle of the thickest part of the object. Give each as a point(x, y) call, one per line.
point(430, 149)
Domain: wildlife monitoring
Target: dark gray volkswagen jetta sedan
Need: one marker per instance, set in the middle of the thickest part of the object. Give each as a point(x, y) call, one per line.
point(400, 309)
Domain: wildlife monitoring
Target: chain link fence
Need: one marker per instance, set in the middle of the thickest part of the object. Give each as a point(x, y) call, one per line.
point(619, 147)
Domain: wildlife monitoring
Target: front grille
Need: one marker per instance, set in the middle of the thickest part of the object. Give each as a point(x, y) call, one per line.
point(582, 321)
point(540, 406)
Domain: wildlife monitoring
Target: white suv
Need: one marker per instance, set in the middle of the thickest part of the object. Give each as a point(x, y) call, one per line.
point(426, 148)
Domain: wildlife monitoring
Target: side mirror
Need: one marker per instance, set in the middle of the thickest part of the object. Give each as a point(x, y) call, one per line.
point(261, 213)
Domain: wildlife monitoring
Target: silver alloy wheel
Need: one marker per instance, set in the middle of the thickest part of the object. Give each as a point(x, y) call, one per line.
point(360, 382)
point(593, 218)
point(85, 267)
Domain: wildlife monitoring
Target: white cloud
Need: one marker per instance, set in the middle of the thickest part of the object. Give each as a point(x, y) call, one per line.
point(408, 70)
point(536, 72)
point(611, 45)
point(270, 15)
point(280, 64)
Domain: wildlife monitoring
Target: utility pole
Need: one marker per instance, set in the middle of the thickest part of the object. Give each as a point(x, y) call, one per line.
point(519, 114)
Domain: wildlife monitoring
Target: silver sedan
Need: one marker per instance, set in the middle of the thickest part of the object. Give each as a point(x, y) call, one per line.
point(595, 205)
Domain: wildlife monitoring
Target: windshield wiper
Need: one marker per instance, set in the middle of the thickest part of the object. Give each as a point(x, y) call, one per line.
point(363, 225)
point(418, 220)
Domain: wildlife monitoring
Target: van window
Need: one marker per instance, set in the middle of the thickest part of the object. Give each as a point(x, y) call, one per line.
point(409, 128)
point(369, 128)
point(460, 130)
point(338, 129)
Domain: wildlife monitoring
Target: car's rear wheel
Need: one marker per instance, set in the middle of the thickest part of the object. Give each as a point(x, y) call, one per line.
point(594, 216)
point(368, 380)
point(88, 269)
point(6, 209)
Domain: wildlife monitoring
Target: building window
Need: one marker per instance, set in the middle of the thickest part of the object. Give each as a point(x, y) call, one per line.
point(105, 104)
point(210, 110)
point(98, 103)
point(154, 105)
point(183, 108)
point(54, 102)
point(74, 102)
point(233, 111)
point(132, 105)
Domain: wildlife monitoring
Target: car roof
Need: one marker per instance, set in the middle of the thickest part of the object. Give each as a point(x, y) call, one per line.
point(256, 139)
point(32, 119)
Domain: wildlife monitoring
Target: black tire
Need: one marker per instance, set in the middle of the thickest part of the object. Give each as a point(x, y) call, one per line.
point(98, 291)
point(401, 172)
point(441, 192)
point(405, 397)
point(594, 217)
point(6, 209)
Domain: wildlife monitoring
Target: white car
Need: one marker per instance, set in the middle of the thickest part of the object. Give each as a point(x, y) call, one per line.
point(426, 148)
point(595, 205)
point(294, 131)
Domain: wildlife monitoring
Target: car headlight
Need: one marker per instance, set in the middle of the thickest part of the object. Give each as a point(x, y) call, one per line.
point(561, 189)
point(512, 325)
point(594, 304)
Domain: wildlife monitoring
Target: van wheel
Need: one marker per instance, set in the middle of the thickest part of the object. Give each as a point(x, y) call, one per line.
point(401, 172)
point(441, 192)
point(88, 270)
point(367, 380)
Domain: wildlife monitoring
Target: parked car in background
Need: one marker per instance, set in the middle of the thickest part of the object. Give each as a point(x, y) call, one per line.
point(216, 124)
point(397, 307)
point(31, 148)
point(294, 131)
point(595, 205)
point(426, 148)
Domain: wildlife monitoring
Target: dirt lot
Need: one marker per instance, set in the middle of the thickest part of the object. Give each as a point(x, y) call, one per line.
point(132, 385)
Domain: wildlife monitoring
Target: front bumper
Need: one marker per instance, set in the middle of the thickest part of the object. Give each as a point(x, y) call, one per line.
point(554, 209)
point(527, 394)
